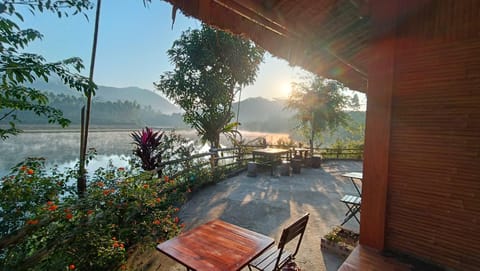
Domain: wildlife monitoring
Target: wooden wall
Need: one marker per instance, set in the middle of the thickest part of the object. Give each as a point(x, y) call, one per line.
point(433, 206)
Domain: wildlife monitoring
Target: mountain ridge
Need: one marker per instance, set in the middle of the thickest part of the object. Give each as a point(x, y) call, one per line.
point(144, 97)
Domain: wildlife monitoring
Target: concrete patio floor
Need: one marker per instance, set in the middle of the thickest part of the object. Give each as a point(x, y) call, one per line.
point(267, 204)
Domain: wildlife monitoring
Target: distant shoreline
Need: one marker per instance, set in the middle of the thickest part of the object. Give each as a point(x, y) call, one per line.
point(76, 129)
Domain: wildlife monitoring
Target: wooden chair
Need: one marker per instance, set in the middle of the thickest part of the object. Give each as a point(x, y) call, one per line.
point(276, 257)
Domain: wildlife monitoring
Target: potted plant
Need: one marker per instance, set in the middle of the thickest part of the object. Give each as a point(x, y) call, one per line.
point(340, 241)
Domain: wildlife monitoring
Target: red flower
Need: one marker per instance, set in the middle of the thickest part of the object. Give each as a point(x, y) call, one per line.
point(32, 222)
point(115, 244)
point(71, 267)
point(158, 200)
point(175, 220)
point(100, 184)
point(121, 169)
point(146, 186)
point(89, 212)
point(69, 216)
point(23, 168)
point(52, 207)
point(156, 222)
point(106, 192)
point(30, 171)
point(49, 202)
point(166, 179)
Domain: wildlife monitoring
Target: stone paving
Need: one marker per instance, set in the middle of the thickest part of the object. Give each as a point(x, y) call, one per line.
point(267, 204)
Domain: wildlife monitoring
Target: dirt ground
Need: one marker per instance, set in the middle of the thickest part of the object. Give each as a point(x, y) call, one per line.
point(266, 204)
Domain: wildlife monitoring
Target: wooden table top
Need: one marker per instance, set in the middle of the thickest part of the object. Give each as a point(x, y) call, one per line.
point(270, 151)
point(216, 245)
point(355, 175)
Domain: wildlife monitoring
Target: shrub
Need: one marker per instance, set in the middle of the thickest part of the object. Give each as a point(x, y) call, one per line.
point(45, 226)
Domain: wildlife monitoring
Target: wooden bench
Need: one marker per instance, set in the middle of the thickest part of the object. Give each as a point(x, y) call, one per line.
point(363, 258)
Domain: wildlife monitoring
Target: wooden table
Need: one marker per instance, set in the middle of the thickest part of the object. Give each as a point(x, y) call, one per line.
point(216, 246)
point(271, 154)
point(355, 176)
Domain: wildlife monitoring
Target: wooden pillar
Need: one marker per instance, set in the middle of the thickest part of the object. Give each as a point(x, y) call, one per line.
point(377, 131)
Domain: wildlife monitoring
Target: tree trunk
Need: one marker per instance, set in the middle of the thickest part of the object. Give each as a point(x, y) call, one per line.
point(312, 135)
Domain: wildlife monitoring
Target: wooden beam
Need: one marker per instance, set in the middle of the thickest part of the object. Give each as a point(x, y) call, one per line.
point(249, 19)
point(377, 131)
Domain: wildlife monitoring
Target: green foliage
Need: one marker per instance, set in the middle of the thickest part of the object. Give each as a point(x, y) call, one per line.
point(341, 235)
point(18, 68)
point(211, 66)
point(319, 104)
point(147, 143)
point(45, 226)
point(105, 113)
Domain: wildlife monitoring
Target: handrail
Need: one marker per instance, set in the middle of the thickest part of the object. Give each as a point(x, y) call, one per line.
point(239, 155)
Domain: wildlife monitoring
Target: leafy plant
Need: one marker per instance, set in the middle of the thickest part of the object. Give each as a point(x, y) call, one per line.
point(46, 226)
point(210, 67)
point(319, 104)
point(341, 235)
point(148, 149)
point(18, 68)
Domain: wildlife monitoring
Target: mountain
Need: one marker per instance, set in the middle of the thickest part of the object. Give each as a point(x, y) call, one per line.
point(143, 97)
point(259, 109)
point(260, 114)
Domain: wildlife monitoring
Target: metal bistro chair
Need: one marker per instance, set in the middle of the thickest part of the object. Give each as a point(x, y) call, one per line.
point(353, 204)
point(276, 257)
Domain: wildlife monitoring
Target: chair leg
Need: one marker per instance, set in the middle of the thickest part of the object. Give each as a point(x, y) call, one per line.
point(352, 212)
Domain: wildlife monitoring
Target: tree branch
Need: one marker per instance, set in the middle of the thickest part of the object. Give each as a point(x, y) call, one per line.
point(7, 114)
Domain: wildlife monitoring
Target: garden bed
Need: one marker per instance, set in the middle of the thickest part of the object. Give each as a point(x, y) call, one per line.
point(340, 241)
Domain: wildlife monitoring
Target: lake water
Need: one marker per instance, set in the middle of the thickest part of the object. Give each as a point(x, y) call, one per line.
point(62, 147)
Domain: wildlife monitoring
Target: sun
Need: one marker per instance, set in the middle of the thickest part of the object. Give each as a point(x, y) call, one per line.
point(285, 89)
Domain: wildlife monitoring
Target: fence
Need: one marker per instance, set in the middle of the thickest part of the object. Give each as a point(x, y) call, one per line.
point(232, 160)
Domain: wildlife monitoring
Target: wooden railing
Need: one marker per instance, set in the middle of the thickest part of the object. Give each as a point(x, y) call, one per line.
point(235, 159)
point(354, 154)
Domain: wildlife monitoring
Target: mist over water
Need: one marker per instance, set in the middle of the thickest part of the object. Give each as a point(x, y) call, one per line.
point(62, 147)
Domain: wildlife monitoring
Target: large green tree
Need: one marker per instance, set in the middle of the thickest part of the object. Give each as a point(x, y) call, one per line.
point(19, 68)
point(210, 67)
point(320, 106)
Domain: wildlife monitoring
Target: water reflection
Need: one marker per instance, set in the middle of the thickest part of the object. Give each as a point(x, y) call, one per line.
point(62, 148)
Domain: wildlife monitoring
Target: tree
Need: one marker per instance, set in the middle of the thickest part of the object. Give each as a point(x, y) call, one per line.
point(18, 68)
point(319, 104)
point(210, 67)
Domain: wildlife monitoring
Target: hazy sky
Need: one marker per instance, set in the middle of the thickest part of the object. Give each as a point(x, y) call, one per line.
point(132, 46)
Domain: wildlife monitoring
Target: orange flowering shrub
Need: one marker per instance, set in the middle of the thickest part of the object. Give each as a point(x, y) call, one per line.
point(121, 209)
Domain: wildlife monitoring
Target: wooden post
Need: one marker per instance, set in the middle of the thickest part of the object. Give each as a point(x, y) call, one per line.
point(377, 132)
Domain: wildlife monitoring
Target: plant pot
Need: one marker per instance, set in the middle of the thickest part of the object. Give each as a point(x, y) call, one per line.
point(296, 165)
point(338, 248)
point(340, 241)
point(316, 161)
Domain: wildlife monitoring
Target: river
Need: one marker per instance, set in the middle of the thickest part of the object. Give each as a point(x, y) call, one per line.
point(62, 147)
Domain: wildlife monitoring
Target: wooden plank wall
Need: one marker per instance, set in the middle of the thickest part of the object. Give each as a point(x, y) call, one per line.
point(433, 209)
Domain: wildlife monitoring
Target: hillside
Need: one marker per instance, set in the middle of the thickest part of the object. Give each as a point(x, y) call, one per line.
point(263, 115)
point(260, 114)
point(261, 109)
point(143, 97)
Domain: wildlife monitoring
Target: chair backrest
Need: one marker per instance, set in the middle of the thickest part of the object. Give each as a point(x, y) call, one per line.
point(289, 233)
